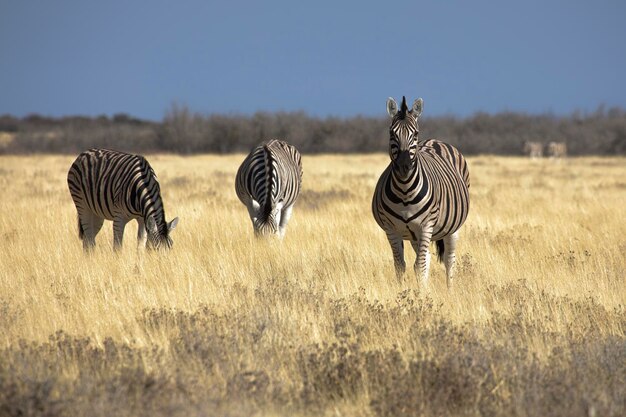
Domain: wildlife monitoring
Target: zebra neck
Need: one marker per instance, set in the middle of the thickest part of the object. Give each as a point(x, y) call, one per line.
point(405, 183)
point(156, 212)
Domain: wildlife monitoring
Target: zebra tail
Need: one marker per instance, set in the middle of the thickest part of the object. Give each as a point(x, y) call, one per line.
point(440, 249)
point(81, 232)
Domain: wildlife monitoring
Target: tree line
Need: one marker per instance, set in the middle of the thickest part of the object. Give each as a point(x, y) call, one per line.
point(602, 132)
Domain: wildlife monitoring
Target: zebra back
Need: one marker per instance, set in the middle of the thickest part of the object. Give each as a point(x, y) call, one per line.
point(447, 153)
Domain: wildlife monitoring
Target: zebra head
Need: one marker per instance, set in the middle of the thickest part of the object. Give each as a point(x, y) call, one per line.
point(159, 238)
point(403, 135)
point(265, 222)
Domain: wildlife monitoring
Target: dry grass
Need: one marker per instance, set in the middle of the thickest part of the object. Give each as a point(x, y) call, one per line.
point(317, 324)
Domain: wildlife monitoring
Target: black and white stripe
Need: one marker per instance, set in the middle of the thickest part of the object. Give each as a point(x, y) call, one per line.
point(117, 186)
point(533, 149)
point(423, 195)
point(268, 183)
point(557, 150)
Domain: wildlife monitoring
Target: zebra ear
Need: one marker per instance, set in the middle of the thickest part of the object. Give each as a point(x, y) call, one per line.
point(172, 225)
point(418, 106)
point(255, 205)
point(151, 225)
point(280, 205)
point(392, 107)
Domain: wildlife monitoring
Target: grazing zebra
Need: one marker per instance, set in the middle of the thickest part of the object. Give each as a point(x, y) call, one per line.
point(118, 186)
point(423, 195)
point(268, 183)
point(533, 149)
point(557, 150)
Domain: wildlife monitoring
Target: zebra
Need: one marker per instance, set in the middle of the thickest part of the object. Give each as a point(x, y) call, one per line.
point(557, 150)
point(423, 195)
point(111, 185)
point(533, 149)
point(268, 183)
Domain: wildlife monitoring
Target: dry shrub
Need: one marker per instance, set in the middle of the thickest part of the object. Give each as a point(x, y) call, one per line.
point(225, 361)
point(184, 131)
point(316, 324)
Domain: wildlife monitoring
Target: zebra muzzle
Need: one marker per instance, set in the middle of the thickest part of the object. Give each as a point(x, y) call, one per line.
point(402, 165)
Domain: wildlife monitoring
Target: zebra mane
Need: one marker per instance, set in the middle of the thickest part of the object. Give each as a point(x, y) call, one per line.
point(403, 109)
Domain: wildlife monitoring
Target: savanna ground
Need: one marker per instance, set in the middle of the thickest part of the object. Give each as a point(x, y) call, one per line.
point(317, 324)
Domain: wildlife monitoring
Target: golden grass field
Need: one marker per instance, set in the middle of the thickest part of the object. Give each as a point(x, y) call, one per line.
point(317, 324)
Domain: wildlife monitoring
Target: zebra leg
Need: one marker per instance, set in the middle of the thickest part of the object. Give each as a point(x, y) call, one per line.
point(397, 247)
point(422, 262)
point(91, 225)
point(422, 277)
point(449, 255)
point(415, 245)
point(142, 236)
point(284, 219)
point(118, 232)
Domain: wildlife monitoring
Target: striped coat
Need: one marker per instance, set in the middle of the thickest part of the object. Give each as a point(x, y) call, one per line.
point(533, 149)
point(117, 186)
point(423, 195)
point(268, 183)
point(557, 150)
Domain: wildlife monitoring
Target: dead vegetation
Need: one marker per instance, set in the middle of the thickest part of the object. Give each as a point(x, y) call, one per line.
point(317, 324)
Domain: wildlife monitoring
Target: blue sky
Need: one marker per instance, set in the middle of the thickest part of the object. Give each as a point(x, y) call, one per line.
point(339, 58)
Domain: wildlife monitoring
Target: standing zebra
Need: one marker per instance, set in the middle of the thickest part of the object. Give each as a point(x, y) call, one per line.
point(557, 150)
point(423, 195)
point(268, 183)
point(533, 149)
point(118, 186)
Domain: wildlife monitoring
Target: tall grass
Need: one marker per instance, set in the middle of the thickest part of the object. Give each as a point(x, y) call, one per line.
point(317, 324)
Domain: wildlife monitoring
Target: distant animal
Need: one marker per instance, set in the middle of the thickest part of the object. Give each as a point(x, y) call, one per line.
point(118, 186)
point(533, 149)
point(557, 150)
point(423, 195)
point(268, 183)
